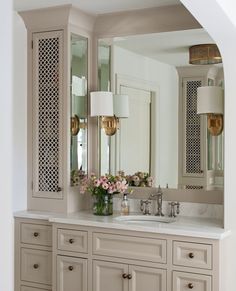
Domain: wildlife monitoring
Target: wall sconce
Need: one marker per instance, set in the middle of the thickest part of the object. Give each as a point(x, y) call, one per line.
point(79, 112)
point(121, 110)
point(210, 101)
point(109, 108)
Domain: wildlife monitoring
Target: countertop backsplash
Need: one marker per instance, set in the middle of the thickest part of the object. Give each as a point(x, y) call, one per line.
point(186, 208)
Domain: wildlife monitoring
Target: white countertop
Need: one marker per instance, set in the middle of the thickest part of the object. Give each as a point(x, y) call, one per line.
point(184, 226)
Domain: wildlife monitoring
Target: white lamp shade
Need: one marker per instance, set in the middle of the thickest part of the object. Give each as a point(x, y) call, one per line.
point(101, 103)
point(121, 106)
point(210, 99)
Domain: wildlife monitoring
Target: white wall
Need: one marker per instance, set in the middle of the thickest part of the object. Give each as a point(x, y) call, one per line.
point(218, 18)
point(166, 79)
point(6, 149)
point(19, 113)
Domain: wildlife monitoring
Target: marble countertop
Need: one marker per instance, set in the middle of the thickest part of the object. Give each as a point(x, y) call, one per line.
point(183, 226)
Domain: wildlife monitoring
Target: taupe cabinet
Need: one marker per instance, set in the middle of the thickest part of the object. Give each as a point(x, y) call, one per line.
point(65, 257)
point(33, 255)
point(50, 38)
point(123, 277)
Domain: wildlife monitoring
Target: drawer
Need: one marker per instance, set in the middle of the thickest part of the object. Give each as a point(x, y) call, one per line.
point(188, 281)
point(139, 248)
point(36, 234)
point(26, 288)
point(192, 255)
point(72, 240)
point(36, 266)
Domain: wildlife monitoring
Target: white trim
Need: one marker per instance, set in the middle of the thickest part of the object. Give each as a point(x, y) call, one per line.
point(136, 83)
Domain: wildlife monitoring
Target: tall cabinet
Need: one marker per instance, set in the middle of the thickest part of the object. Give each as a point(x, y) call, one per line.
point(51, 49)
point(192, 129)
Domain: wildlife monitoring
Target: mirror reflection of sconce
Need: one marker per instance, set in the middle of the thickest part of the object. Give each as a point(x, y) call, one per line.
point(109, 108)
point(210, 101)
point(76, 125)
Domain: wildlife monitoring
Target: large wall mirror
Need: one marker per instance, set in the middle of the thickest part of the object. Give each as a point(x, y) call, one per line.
point(79, 100)
point(151, 69)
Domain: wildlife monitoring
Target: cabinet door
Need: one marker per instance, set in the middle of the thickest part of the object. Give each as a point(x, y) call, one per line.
point(193, 136)
point(145, 278)
point(108, 276)
point(47, 98)
point(71, 274)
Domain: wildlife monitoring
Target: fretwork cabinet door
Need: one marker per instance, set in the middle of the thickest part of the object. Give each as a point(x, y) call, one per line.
point(193, 136)
point(47, 125)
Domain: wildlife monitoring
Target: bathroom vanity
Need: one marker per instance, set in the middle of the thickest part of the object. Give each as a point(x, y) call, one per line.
point(67, 248)
point(83, 252)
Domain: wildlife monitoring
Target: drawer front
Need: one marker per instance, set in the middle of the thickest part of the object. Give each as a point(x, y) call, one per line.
point(36, 234)
point(25, 288)
point(72, 240)
point(188, 281)
point(36, 266)
point(192, 255)
point(139, 248)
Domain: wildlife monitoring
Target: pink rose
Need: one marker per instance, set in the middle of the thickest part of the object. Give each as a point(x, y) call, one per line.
point(105, 186)
point(97, 183)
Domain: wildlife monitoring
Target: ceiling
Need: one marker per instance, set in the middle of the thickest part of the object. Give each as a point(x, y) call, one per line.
point(167, 47)
point(95, 6)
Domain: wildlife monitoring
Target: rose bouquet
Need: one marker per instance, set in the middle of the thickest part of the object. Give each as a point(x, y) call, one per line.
point(102, 190)
point(140, 179)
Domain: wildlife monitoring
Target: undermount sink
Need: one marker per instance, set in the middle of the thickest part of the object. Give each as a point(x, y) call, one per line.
point(145, 219)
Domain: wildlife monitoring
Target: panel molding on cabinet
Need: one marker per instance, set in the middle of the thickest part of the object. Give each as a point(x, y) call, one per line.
point(193, 255)
point(36, 266)
point(145, 278)
point(72, 240)
point(72, 274)
point(47, 114)
point(186, 281)
point(139, 248)
point(108, 276)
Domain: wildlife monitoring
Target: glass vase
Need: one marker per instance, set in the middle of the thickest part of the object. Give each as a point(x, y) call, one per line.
point(103, 204)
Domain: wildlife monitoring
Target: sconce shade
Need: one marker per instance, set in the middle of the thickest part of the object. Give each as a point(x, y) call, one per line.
point(121, 106)
point(204, 54)
point(101, 103)
point(210, 100)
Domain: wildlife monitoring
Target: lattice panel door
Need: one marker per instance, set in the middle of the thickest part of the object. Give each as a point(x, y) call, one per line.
point(193, 131)
point(47, 117)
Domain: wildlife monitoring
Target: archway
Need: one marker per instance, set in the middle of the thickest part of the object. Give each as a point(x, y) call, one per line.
point(217, 18)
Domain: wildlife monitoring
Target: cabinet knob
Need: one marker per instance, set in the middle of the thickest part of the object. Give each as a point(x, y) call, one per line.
point(129, 276)
point(36, 266)
point(36, 234)
point(71, 268)
point(191, 255)
point(190, 286)
point(59, 189)
point(125, 276)
point(71, 240)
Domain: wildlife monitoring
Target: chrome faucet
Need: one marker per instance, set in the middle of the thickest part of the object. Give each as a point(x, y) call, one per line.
point(158, 196)
point(144, 207)
point(174, 211)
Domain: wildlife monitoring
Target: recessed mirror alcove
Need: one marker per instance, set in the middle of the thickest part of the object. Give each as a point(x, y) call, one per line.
point(163, 134)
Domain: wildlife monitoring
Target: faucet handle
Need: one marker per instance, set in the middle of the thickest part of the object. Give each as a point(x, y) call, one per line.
point(144, 206)
point(172, 209)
